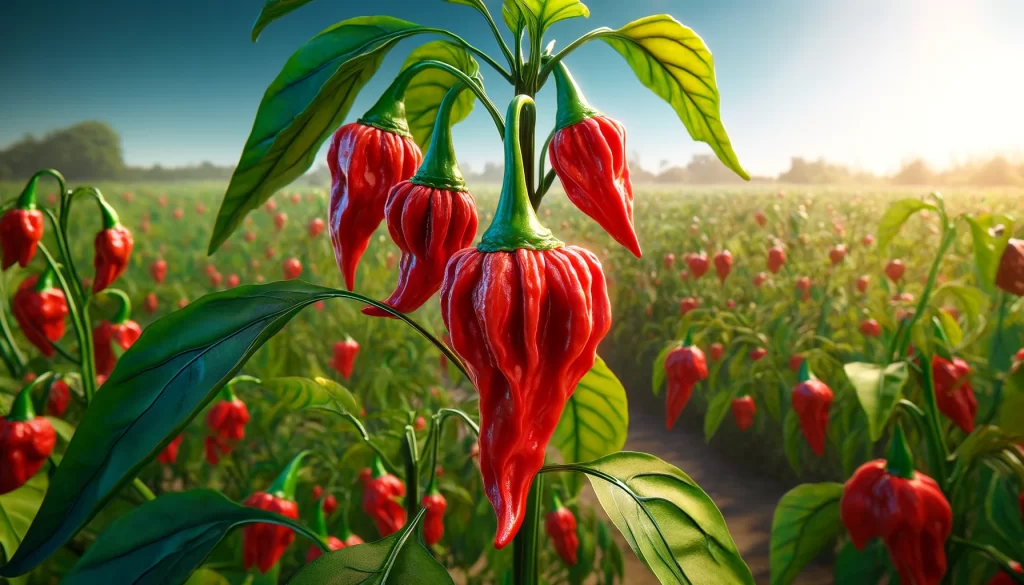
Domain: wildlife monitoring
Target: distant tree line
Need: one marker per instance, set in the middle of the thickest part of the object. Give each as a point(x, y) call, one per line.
point(92, 151)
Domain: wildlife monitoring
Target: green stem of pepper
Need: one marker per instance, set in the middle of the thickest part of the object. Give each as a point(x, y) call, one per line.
point(997, 389)
point(124, 310)
point(573, 108)
point(80, 321)
point(526, 569)
point(15, 359)
point(440, 166)
point(948, 237)
point(22, 410)
point(285, 483)
point(412, 488)
point(936, 443)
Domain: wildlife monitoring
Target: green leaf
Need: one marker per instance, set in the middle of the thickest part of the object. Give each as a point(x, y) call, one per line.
point(272, 10)
point(879, 390)
point(898, 214)
point(164, 540)
point(658, 370)
point(986, 440)
point(866, 567)
point(1012, 405)
point(512, 17)
point(989, 247)
point(399, 559)
point(672, 61)
point(718, 408)
point(792, 439)
point(308, 100)
point(296, 393)
point(17, 509)
point(954, 334)
point(668, 521)
point(428, 87)
point(171, 373)
point(595, 420)
point(972, 301)
point(63, 428)
point(207, 577)
point(806, 521)
point(541, 14)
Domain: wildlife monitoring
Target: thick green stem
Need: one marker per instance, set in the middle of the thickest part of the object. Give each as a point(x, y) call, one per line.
point(948, 237)
point(525, 567)
point(440, 166)
point(22, 410)
point(936, 444)
point(412, 488)
point(124, 309)
point(572, 106)
point(80, 321)
point(285, 484)
point(899, 460)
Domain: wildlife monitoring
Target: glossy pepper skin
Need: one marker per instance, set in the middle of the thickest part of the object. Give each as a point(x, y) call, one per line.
point(811, 401)
point(124, 334)
point(382, 500)
point(345, 353)
point(1009, 276)
point(560, 526)
point(433, 519)
point(365, 163)
point(588, 153)
point(40, 309)
point(226, 422)
point(743, 410)
point(113, 247)
point(26, 442)
point(526, 314)
point(953, 392)
point(21, 230)
point(58, 399)
point(684, 367)
point(264, 544)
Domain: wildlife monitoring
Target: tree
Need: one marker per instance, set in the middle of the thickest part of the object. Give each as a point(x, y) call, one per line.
point(88, 150)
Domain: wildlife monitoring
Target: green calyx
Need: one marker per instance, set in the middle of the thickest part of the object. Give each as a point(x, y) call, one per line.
point(572, 106)
point(110, 219)
point(27, 199)
point(516, 225)
point(688, 339)
point(227, 393)
point(320, 519)
point(556, 502)
point(45, 280)
point(388, 114)
point(124, 310)
point(285, 484)
point(805, 371)
point(899, 460)
point(22, 410)
point(378, 468)
point(440, 167)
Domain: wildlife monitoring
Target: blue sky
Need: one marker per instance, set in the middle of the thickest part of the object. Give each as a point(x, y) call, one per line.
point(863, 82)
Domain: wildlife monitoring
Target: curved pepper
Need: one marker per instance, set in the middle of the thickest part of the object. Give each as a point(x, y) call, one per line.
point(743, 410)
point(21, 229)
point(40, 309)
point(684, 367)
point(382, 500)
point(776, 259)
point(526, 314)
point(113, 249)
point(588, 153)
point(263, 544)
point(1009, 276)
point(26, 442)
point(723, 264)
point(170, 453)
point(560, 526)
point(433, 519)
point(366, 159)
point(345, 353)
point(953, 392)
point(887, 499)
point(124, 333)
point(811, 401)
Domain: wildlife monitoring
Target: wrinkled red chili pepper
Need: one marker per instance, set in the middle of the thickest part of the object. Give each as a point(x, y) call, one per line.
point(113, 249)
point(170, 453)
point(697, 263)
point(723, 264)
point(1002, 578)
point(226, 421)
point(560, 526)
point(158, 270)
point(263, 544)
point(776, 258)
point(811, 401)
point(953, 392)
point(688, 304)
point(382, 500)
point(58, 399)
point(366, 159)
point(526, 313)
point(433, 519)
point(345, 353)
point(837, 254)
point(21, 229)
point(1010, 275)
point(40, 309)
point(588, 153)
point(887, 499)
point(26, 442)
point(743, 410)
point(894, 269)
point(684, 367)
point(123, 331)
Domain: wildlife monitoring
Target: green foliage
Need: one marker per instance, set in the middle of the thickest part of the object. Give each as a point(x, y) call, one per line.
point(428, 87)
point(897, 215)
point(85, 151)
point(806, 522)
point(273, 10)
point(17, 508)
point(878, 390)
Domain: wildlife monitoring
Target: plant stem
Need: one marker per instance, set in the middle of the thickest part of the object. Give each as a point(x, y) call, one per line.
point(997, 390)
point(948, 237)
point(936, 444)
point(79, 319)
point(412, 488)
point(553, 61)
point(19, 360)
point(525, 567)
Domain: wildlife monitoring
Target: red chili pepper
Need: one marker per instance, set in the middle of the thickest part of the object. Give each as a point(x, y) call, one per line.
point(560, 526)
point(58, 399)
point(776, 258)
point(761, 218)
point(526, 314)
point(803, 286)
point(316, 227)
point(894, 269)
point(953, 391)
point(280, 219)
point(1010, 275)
point(743, 410)
point(688, 304)
point(795, 361)
point(345, 353)
point(26, 442)
point(757, 353)
point(40, 309)
point(668, 260)
point(292, 268)
point(113, 249)
point(811, 402)
point(1002, 578)
point(314, 553)
point(697, 263)
point(21, 229)
point(264, 544)
point(837, 254)
point(906, 509)
point(871, 328)
point(226, 421)
point(382, 500)
point(433, 519)
point(588, 153)
point(717, 351)
point(158, 270)
point(868, 239)
point(862, 284)
point(684, 367)
point(170, 453)
point(124, 334)
point(759, 279)
point(723, 264)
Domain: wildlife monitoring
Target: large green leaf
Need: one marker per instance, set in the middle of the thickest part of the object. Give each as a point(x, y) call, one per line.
point(986, 440)
point(308, 100)
point(989, 245)
point(863, 567)
point(595, 420)
point(399, 559)
point(162, 541)
point(294, 393)
point(668, 521)
point(806, 521)
point(792, 439)
point(972, 301)
point(879, 390)
point(541, 14)
point(428, 87)
point(511, 15)
point(161, 383)
point(17, 509)
point(894, 218)
point(672, 61)
point(272, 10)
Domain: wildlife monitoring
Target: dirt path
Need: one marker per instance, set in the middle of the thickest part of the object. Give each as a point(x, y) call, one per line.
point(747, 500)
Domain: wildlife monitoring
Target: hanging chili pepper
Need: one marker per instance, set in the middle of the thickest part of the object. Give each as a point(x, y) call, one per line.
point(170, 453)
point(226, 421)
point(803, 286)
point(526, 313)
point(717, 351)
point(345, 353)
point(113, 249)
point(120, 330)
point(723, 264)
point(320, 527)
point(560, 526)
point(58, 398)
point(894, 269)
point(1009, 276)
point(887, 499)
point(433, 519)
point(158, 270)
point(953, 392)
point(366, 159)
point(811, 401)
point(743, 410)
point(40, 309)
point(263, 544)
point(684, 367)
point(697, 263)
point(837, 254)
point(871, 328)
point(382, 500)
point(21, 228)
point(776, 258)
point(1002, 578)
point(588, 153)
point(430, 217)
point(26, 442)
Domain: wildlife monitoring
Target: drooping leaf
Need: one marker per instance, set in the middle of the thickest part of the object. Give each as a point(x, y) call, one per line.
point(989, 245)
point(879, 390)
point(163, 541)
point(308, 100)
point(17, 509)
point(805, 522)
point(428, 87)
point(672, 61)
point(954, 334)
point(668, 521)
point(296, 393)
point(718, 408)
point(272, 10)
point(541, 14)
point(894, 218)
